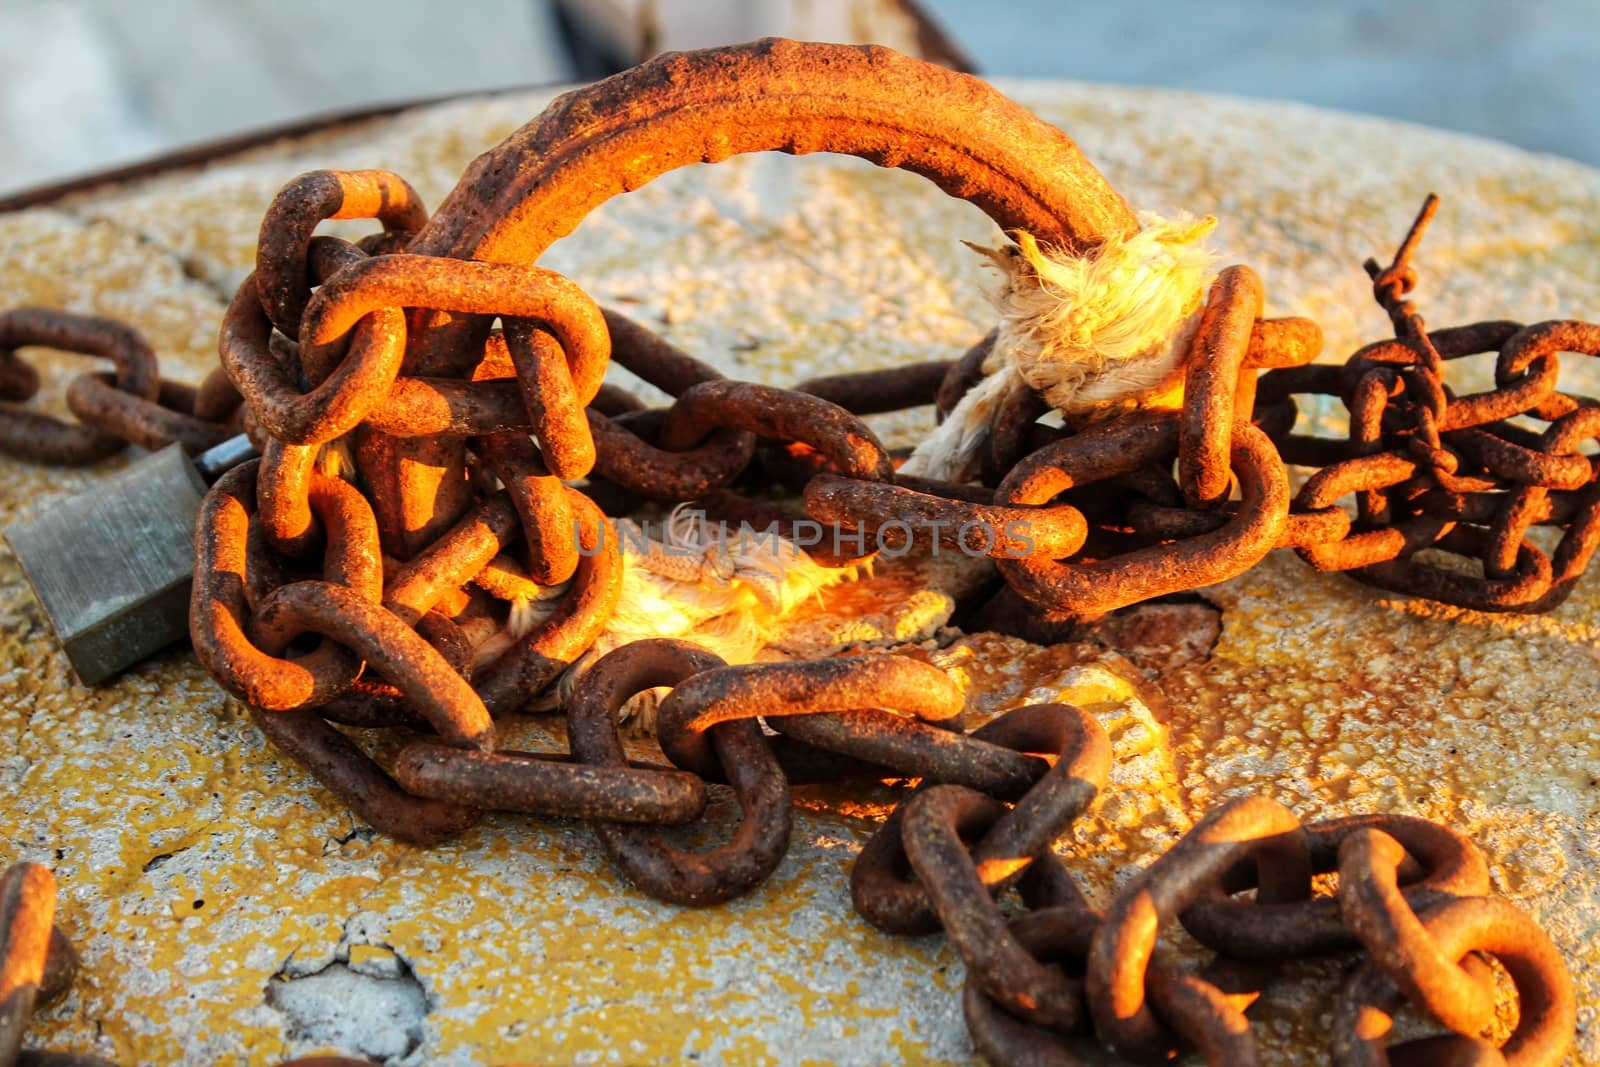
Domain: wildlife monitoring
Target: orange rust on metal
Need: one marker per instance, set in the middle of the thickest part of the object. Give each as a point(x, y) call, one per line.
point(219, 614)
point(355, 778)
point(394, 649)
point(283, 280)
point(1440, 864)
point(549, 785)
point(554, 644)
point(629, 460)
point(27, 915)
point(452, 560)
point(421, 483)
point(1396, 943)
point(1061, 934)
point(774, 95)
point(1053, 532)
point(98, 402)
point(641, 853)
point(542, 503)
point(767, 411)
point(872, 392)
point(557, 381)
point(771, 95)
point(842, 684)
point(341, 400)
point(1216, 357)
point(956, 887)
point(1450, 932)
point(1093, 588)
point(1250, 827)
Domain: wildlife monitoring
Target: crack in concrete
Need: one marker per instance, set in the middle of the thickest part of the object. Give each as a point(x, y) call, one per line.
point(160, 858)
point(356, 833)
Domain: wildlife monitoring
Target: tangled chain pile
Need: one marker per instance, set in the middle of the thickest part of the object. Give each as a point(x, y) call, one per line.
point(439, 453)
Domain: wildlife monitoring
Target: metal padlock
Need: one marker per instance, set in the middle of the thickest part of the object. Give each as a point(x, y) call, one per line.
point(113, 566)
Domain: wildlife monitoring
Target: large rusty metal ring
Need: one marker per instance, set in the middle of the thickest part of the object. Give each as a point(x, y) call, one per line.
point(684, 108)
point(774, 95)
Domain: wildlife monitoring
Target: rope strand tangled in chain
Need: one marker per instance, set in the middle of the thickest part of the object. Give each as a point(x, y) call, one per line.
point(440, 454)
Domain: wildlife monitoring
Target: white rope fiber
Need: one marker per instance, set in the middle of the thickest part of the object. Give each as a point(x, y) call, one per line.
point(1093, 334)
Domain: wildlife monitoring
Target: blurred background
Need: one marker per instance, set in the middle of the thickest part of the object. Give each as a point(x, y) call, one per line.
point(88, 84)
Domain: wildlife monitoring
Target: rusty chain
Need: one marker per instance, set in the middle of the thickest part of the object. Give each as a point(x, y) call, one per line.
point(134, 404)
point(423, 399)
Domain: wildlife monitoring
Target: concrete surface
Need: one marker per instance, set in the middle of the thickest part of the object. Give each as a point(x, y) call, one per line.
point(228, 910)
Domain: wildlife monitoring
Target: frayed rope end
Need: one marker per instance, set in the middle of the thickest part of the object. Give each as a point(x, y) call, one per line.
point(1094, 334)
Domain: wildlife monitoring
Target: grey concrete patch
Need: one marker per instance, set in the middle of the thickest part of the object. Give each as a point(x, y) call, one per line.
point(373, 1009)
